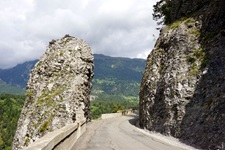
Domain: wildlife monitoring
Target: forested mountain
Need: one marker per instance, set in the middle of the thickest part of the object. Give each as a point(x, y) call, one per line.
point(118, 77)
point(6, 88)
point(18, 75)
point(115, 77)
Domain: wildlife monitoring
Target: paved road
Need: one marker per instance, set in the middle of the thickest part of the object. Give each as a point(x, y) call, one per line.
point(118, 134)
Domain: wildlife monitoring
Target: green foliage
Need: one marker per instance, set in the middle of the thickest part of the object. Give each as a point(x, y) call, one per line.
point(194, 70)
point(29, 93)
point(46, 99)
point(163, 10)
point(44, 126)
point(198, 57)
point(114, 87)
point(189, 20)
point(186, 21)
point(175, 24)
point(1, 142)
point(99, 107)
point(117, 78)
point(117, 108)
point(10, 108)
point(195, 32)
point(27, 140)
point(61, 52)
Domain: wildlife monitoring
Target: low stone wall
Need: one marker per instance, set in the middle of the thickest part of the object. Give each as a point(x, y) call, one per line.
point(118, 114)
point(111, 115)
point(63, 138)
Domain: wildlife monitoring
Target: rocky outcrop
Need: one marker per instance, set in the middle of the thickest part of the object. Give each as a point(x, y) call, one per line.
point(57, 91)
point(183, 87)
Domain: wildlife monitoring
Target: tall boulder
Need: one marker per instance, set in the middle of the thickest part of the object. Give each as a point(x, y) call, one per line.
point(58, 90)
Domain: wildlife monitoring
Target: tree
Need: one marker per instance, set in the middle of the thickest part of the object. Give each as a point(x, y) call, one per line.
point(162, 11)
point(10, 108)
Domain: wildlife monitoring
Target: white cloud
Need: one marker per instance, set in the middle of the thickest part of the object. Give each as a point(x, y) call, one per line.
point(112, 27)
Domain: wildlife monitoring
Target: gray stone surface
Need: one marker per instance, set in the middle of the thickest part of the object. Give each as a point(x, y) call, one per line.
point(57, 91)
point(170, 79)
point(183, 87)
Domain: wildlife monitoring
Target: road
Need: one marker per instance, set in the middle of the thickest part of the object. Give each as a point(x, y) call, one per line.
point(118, 134)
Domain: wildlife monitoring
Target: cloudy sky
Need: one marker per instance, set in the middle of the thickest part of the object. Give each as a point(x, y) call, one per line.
point(122, 28)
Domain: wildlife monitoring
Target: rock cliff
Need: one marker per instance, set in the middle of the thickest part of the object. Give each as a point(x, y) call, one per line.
point(183, 86)
point(57, 91)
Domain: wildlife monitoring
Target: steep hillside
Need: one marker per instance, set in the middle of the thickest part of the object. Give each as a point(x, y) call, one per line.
point(119, 78)
point(18, 75)
point(6, 88)
point(118, 67)
point(183, 87)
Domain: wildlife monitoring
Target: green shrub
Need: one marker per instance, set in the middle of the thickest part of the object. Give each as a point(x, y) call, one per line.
point(189, 20)
point(27, 141)
point(195, 32)
point(61, 52)
point(44, 126)
point(174, 25)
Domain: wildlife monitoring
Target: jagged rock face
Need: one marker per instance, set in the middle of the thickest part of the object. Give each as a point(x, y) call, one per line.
point(58, 90)
point(183, 87)
point(170, 78)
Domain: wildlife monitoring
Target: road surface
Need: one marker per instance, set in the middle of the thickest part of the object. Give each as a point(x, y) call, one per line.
point(118, 134)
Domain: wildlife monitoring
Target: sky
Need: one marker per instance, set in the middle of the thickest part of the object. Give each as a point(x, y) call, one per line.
point(120, 28)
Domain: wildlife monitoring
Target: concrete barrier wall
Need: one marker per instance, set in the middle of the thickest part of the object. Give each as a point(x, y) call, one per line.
point(118, 114)
point(66, 137)
point(111, 115)
point(63, 138)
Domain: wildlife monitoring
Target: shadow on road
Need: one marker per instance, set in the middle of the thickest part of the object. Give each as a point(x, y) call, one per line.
point(134, 120)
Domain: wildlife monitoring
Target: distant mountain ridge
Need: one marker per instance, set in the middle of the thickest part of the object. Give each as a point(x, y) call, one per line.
point(116, 76)
point(18, 75)
point(6, 88)
point(120, 67)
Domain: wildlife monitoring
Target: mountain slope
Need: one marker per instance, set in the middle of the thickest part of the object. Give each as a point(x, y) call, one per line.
point(6, 88)
point(118, 77)
point(18, 75)
point(115, 77)
point(118, 67)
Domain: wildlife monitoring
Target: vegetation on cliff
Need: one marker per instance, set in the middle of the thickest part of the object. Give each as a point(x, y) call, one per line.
point(182, 91)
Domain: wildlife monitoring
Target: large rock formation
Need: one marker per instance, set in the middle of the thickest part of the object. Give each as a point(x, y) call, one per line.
point(183, 87)
point(57, 91)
